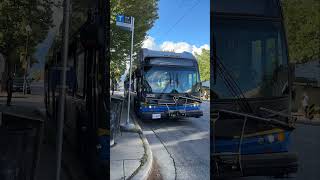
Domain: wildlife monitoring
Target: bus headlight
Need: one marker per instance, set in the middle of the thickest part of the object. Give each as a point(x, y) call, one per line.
point(261, 140)
point(270, 138)
point(281, 137)
point(196, 105)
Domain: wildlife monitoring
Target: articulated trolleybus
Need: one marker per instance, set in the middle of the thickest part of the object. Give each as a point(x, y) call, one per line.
point(251, 86)
point(165, 85)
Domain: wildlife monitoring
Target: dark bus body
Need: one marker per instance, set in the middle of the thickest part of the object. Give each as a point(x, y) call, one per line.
point(165, 85)
point(86, 130)
point(250, 90)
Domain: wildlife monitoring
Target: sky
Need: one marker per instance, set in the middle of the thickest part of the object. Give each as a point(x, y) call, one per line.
point(43, 47)
point(183, 25)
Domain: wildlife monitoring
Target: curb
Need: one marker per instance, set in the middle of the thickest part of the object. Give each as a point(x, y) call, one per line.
point(144, 170)
point(308, 122)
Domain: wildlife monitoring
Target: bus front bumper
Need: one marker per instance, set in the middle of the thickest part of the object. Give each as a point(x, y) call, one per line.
point(271, 164)
point(170, 114)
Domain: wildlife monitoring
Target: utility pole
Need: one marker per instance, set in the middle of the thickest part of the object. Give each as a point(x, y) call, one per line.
point(63, 87)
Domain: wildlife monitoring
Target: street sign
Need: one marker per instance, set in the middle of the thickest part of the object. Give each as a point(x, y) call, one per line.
point(127, 23)
point(124, 22)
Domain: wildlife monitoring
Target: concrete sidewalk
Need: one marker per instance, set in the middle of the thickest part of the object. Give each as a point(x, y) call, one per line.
point(130, 157)
point(315, 121)
point(301, 119)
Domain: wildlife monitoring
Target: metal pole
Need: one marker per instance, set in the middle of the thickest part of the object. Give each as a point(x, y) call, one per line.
point(63, 87)
point(128, 125)
point(25, 70)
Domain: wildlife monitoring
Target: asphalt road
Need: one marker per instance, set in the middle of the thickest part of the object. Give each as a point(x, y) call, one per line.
point(306, 143)
point(181, 147)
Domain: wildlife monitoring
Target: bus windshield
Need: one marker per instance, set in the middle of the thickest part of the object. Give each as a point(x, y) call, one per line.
point(254, 53)
point(176, 79)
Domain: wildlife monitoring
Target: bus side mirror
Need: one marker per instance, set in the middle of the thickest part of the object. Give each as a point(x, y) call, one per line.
point(199, 86)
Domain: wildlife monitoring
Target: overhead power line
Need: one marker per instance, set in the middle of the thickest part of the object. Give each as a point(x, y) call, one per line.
point(181, 18)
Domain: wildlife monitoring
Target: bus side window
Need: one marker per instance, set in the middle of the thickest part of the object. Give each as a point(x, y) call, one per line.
point(139, 85)
point(136, 85)
point(80, 75)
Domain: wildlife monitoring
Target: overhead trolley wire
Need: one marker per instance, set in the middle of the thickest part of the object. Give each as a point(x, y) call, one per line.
point(183, 16)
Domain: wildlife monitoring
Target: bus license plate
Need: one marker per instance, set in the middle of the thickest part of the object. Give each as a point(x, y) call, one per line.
point(156, 116)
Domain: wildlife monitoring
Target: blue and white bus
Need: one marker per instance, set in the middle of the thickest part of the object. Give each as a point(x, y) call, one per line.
point(165, 85)
point(250, 90)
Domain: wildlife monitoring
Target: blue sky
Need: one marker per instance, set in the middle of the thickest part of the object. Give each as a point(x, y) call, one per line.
point(183, 25)
point(43, 47)
point(180, 21)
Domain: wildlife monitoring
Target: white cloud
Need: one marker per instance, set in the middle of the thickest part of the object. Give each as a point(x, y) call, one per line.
point(150, 43)
point(198, 50)
point(178, 47)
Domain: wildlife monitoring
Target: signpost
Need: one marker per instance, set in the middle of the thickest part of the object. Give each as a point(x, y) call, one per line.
point(28, 30)
point(127, 23)
point(66, 17)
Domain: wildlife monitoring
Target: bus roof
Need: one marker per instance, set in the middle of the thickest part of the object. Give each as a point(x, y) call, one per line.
point(147, 53)
point(265, 8)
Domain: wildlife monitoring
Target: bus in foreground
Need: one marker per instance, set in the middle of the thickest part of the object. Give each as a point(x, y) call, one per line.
point(250, 90)
point(86, 125)
point(165, 85)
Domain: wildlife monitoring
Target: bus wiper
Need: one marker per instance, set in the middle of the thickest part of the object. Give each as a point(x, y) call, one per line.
point(174, 91)
point(147, 85)
point(233, 86)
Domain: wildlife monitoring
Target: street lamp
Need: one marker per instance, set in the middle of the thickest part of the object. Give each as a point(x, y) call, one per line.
point(28, 30)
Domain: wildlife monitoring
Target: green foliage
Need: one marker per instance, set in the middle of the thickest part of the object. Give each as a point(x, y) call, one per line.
point(79, 14)
point(14, 17)
point(204, 64)
point(145, 14)
point(302, 18)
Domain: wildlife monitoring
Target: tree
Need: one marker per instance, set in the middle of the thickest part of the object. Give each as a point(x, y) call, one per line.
point(302, 20)
point(204, 64)
point(14, 18)
point(145, 13)
point(79, 14)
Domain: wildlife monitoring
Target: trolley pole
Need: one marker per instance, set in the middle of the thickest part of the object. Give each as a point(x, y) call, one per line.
point(63, 87)
point(129, 126)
